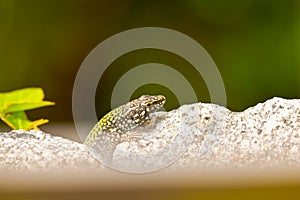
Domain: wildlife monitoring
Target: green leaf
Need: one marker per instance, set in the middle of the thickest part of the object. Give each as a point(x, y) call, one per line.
point(21, 96)
point(15, 107)
point(13, 104)
point(19, 120)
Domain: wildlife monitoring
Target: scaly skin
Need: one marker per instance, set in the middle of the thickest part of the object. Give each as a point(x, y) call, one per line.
point(112, 129)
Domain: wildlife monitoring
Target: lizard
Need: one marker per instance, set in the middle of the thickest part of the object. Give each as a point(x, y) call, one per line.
point(113, 128)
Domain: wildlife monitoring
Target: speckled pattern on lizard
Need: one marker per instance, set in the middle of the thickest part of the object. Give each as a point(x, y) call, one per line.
point(112, 129)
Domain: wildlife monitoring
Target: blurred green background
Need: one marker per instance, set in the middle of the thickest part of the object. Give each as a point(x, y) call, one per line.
point(254, 43)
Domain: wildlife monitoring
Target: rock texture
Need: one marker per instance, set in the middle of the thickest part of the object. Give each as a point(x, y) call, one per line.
point(197, 135)
point(266, 135)
point(36, 151)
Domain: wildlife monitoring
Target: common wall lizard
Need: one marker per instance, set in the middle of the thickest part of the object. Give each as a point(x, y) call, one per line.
point(112, 129)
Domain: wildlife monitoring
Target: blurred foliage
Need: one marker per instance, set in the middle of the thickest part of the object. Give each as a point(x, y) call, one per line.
point(254, 43)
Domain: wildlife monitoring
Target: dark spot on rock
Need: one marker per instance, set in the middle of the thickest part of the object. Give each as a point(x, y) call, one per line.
point(206, 118)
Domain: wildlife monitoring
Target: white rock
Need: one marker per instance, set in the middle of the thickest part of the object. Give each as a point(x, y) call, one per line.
point(197, 135)
point(39, 152)
point(266, 135)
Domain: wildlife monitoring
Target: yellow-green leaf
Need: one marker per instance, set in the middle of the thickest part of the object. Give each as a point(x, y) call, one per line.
point(14, 103)
point(21, 96)
point(17, 120)
point(15, 107)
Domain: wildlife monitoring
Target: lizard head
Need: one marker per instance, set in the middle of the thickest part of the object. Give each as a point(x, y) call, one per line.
point(148, 103)
point(139, 109)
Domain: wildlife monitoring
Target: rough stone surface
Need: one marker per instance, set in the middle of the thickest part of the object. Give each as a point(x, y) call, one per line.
point(266, 135)
point(199, 135)
point(36, 151)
